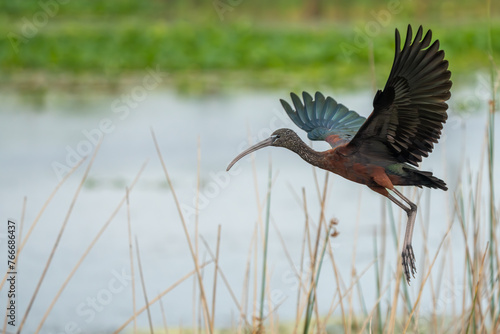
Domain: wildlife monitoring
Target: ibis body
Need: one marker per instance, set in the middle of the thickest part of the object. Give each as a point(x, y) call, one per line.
point(383, 150)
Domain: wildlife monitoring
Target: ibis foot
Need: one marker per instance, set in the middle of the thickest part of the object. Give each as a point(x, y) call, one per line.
point(408, 260)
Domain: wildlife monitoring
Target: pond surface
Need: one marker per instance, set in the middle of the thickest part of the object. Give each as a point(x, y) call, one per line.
point(42, 137)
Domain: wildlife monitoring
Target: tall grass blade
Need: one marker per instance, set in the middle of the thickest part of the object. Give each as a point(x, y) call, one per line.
point(377, 281)
point(196, 224)
point(491, 150)
point(215, 276)
point(89, 248)
point(226, 282)
point(312, 293)
point(431, 265)
point(141, 273)
point(59, 236)
point(131, 255)
point(264, 256)
point(190, 244)
point(42, 210)
point(161, 295)
point(164, 318)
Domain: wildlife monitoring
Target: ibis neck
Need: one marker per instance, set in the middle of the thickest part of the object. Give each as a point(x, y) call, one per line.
point(308, 154)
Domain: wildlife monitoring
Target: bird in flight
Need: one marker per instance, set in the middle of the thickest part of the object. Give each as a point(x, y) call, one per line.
point(383, 150)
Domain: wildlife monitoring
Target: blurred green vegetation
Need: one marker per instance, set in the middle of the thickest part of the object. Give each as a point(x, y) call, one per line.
point(217, 44)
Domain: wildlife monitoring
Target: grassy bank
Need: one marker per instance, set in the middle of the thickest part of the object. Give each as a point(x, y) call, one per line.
point(202, 52)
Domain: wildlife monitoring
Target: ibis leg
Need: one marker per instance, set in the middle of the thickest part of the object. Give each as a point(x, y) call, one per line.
point(408, 256)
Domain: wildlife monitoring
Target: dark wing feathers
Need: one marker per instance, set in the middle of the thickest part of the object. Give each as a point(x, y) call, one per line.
point(322, 117)
point(410, 112)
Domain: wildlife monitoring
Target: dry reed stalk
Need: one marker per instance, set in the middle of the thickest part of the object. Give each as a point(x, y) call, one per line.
point(163, 317)
point(131, 256)
point(184, 226)
point(89, 248)
point(40, 213)
point(196, 224)
point(58, 239)
point(287, 254)
point(255, 318)
point(347, 290)
point(425, 279)
point(246, 281)
point(368, 319)
point(311, 294)
point(265, 278)
point(215, 276)
point(476, 290)
point(143, 284)
point(224, 279)
point(353, 263)
point(302, 256)
point(154, 300)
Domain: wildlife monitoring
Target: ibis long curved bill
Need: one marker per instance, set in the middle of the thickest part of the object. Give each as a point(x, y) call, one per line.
point(265, 143)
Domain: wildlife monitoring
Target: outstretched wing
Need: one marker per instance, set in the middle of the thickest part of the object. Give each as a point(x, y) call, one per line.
point(410, 112)
point(323, 119)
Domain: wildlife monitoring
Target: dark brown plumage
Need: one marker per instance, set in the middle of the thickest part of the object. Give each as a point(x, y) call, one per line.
point(409, 113)
point(406, 122)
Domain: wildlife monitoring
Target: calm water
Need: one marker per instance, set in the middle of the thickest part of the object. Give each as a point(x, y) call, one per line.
point(41, 136)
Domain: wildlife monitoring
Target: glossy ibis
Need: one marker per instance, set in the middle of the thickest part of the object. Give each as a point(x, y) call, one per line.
point(383, 150)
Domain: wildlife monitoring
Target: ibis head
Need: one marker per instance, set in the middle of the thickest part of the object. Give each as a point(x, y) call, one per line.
point(281, 138)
